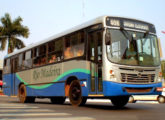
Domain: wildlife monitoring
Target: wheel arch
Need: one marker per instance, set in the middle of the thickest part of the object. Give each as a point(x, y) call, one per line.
point(20, 85)
point(68, 82)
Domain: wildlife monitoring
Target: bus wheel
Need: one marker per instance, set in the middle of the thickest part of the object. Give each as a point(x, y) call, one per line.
point(57, 100)
point(161, 99)
point(22, 95)
point(120, 101)
point(131, 99)
point(75, 95)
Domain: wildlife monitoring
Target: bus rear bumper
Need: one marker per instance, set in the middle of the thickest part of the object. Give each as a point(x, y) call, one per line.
point(120, 89)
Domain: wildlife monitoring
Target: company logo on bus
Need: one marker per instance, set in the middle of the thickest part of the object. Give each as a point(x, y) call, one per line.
point(46, 72)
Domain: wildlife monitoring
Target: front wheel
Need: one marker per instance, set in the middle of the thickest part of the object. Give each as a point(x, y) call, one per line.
point(120, 101)
point(75, 94)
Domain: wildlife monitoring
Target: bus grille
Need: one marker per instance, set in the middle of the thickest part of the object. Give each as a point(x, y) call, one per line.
point(135, 78)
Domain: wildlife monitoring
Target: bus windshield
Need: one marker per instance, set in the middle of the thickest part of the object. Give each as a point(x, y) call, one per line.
point(132, 48)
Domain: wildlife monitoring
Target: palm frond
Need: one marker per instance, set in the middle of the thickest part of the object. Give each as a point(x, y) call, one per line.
point(21, 31)
point(6, 21)
point(17, 21)
point(17, 43)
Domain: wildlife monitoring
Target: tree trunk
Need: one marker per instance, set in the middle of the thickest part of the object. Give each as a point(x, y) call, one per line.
point(9, 45)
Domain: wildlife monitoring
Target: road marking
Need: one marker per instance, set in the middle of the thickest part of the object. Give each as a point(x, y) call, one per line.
point(25, 110)
point(16, 107)
point(33, 114)
point(13, 104)
point(148, 102)
point(64, 118)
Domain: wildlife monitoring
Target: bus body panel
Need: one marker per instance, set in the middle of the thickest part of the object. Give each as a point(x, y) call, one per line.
point(45, 81)
point(7, 86)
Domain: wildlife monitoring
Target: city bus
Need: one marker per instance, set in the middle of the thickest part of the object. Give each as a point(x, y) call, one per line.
point(108, 57)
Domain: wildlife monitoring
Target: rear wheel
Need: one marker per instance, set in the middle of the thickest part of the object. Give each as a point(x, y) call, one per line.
point(120, 101)
point(75, 94)
point(22, 95)
point(57, 100)
point(161, 99)
point(131, 99)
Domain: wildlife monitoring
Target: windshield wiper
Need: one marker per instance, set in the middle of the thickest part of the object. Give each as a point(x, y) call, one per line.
point(125, 33)
point(146, 34)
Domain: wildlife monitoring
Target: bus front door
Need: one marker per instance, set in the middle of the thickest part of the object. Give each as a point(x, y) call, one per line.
point(95, 58)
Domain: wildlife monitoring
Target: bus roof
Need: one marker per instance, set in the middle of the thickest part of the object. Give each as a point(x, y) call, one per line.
point(97, 20)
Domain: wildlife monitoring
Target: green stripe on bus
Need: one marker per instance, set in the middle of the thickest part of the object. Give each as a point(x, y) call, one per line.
point(57, 79)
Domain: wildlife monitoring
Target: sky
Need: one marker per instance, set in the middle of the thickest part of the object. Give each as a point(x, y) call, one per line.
point(45, 18)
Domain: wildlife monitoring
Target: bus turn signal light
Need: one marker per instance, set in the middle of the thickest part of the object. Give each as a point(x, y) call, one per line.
point(159, 89)
point(111, 72)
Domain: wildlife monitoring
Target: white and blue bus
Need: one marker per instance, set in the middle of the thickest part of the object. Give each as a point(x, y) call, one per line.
point(108, 57)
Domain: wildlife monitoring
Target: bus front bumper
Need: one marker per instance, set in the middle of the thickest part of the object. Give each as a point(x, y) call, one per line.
point(122, 89)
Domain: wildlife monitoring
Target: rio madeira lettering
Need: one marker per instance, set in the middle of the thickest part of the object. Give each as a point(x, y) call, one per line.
point(51, 71)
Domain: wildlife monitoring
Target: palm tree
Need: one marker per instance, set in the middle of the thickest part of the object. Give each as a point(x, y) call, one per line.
point(10, 32)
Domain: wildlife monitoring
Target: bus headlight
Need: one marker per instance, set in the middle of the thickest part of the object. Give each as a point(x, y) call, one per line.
point(112, 75)
point(160, 77)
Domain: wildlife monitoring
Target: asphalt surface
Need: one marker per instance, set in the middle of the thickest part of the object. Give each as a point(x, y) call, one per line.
point(42, 109)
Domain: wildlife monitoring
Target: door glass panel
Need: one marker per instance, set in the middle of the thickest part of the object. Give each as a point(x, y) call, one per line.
point(93, 68)
point(92, 58)
point(99, 49)
point(95, 56)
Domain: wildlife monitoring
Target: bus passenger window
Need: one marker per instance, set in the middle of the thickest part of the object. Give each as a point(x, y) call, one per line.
point(27, 60)
point(68, 53)
point(55, 51)
point(40, 55)
point(74, 45)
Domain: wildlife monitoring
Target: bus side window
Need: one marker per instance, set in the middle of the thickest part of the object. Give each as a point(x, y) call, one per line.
point(59, 49)
point(28, 59)
point(35, 56)
point(68, 53)
point(51, 56)
point(74, 45)
point(40, 55)
point(55, 51)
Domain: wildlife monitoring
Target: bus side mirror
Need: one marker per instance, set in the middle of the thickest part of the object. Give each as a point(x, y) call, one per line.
point(107, 39)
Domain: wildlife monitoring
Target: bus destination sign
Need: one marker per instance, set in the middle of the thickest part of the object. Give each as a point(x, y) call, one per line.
point(135, 25)
point(129, 23)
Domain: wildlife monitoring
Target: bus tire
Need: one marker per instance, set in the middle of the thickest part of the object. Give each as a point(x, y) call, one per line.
point(23, 96)
point(75, 94)
point(131, 99)
point(161, 99)
point(57, 100)
point(120, 101)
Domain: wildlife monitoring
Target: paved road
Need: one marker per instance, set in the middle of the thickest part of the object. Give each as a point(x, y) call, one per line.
point(11, 109)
